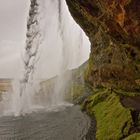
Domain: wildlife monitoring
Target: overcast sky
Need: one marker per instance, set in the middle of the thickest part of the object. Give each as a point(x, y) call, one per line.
point(13, 17)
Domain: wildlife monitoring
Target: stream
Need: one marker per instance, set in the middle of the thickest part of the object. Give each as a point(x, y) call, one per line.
point(67, 123)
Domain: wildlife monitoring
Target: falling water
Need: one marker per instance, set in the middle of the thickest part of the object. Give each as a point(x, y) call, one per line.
point(70, 41)
point(50, 29)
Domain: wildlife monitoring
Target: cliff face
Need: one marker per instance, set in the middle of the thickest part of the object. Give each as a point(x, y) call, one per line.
point(113, 73)
point(113, 28)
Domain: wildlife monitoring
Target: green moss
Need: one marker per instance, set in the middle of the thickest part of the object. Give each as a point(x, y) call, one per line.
point(135, 136)
point(99, 95)
point(113, 120)
point(77, 90)
point(89, 68)
point(124, 93)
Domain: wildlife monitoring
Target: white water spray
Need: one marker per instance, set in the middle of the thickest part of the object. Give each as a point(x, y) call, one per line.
point(61, 32)
point(50, 30)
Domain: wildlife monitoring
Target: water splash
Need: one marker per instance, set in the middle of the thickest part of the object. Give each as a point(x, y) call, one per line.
point(23, 90)
point(50, 30)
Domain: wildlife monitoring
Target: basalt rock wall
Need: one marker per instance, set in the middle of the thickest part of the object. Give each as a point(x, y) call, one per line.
point(113, 28)
point(113, 72)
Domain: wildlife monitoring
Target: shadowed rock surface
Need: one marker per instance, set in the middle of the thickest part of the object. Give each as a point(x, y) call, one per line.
point(131, 102)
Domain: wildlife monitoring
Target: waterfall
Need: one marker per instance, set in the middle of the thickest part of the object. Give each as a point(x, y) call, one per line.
point(50, 30)
point(61, 32)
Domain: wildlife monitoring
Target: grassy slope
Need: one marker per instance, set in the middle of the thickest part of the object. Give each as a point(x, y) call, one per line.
point(113, 120)
point(135, 136)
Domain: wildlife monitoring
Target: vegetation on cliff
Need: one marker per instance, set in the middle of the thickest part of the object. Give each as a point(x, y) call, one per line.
point(113, 28)
point(135, 136)
point(114, 121)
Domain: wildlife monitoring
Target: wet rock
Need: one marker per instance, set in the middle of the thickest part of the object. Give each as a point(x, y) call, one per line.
point(113, 28)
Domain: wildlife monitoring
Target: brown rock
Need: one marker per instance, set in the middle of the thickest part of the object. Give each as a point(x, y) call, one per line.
point(113, 28)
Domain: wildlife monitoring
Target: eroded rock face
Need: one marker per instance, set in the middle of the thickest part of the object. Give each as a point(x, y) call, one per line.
point(113, 28)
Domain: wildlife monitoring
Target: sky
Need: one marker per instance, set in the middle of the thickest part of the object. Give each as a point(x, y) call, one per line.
point(13, 19)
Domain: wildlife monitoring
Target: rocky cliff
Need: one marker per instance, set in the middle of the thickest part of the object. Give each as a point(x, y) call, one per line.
point(113, 28)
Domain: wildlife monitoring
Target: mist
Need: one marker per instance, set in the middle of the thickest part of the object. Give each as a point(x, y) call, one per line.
point(13, 35)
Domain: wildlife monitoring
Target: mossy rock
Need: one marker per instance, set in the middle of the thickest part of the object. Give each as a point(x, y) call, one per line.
point(89, 68)
point(135, 136)
point(126, 93)
point(113, 120)
point(77, 90)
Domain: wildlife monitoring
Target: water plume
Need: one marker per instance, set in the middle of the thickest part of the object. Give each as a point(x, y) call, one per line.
point(50, 30)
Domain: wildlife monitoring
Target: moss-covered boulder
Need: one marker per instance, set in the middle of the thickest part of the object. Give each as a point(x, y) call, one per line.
point(135, 136)
point(113, 120)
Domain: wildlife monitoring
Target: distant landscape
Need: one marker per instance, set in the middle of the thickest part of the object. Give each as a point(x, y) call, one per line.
point(5, 85)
